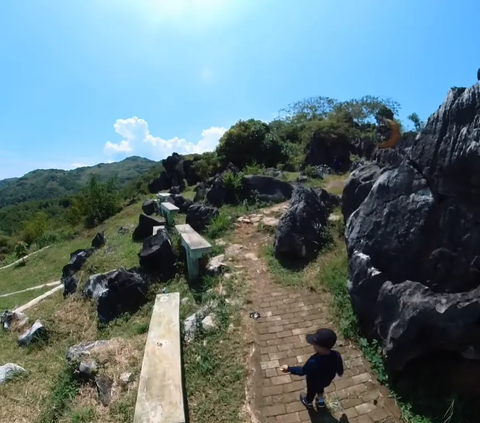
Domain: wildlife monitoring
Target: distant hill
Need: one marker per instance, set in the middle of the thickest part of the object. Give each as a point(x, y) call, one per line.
point(52, 183)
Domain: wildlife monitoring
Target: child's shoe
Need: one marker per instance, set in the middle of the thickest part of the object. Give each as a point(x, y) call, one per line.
point(321, 402)
point(308, 405)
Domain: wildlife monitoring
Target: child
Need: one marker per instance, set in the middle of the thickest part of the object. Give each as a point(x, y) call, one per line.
point(320, 368)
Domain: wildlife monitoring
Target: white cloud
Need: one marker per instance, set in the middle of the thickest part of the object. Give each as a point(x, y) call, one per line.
point(137, 139)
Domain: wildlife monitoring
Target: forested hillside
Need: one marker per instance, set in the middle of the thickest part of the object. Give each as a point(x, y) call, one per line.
point(53, 183)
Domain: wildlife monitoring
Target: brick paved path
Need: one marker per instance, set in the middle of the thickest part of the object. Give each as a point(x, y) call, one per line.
point(286, 316)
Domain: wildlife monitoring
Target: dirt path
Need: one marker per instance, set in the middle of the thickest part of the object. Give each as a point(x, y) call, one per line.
point(279, 338)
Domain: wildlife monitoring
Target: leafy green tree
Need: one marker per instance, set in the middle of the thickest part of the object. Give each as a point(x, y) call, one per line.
point(34, 228)
point(206, 165)
point(417, 123)
point(21, 250)
point(96, 203)
point(248, 142)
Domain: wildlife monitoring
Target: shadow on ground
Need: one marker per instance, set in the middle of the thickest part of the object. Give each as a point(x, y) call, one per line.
point(324, 416)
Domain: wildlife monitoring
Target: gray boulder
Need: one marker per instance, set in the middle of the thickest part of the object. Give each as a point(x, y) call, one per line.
point(117, 292)
point(8, 317)
point(182, 203)
point(99, 240)
point(77, 259)
point(358, 186)
point(200, 192)
point(70, 284)
point(157, 255)
point(81, 358)
point(199, 216)
point(266, 188)
point(149, 207)
point(145, 227)
point(9, 371)
point(36, 333)
point(300, 230)
point(216, 265)
point(414, 261)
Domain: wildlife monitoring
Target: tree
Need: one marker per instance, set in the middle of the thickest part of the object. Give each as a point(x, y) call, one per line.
point(34, 228)
point(205, 166)
point(417, 123)
point(96, 203)
point(250, 142)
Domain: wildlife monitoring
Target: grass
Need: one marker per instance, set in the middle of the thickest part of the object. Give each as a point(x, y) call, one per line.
point(214, 361)
point(48, 393)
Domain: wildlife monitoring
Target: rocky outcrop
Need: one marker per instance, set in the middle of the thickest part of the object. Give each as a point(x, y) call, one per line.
point(157, 255)
point(414, 260)
point(172, 176)
point(329, 200)
point(149, 207)
point(358, 186)
point(8, 318)
point(266, 189)
point(182, 203)
point(117, 292)
point(200, 192)
point(322, 150)
point(199, 216)
point(300, 230)
point(99, 240)
point(36, 333)
point(77, 259)
point(145, 227)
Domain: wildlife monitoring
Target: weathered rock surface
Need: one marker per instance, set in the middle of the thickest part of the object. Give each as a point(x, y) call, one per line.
point(99, 240)
point(77, 260)
point(200, 192)
point(358, 186)
point(8, 371)
point(70, 284)
point(413, 238)
point(8, 318)
point(36, 333)
point(216, 265)
point(157, 255)
point(300, 229)
point(200, 216)
point(209, 323)
point(182, 203)
point(266, 189)
point(149, 207)
point(104, 388)
point(330, 200)
point(117, 292)
point(145, 226)
point(322, 150)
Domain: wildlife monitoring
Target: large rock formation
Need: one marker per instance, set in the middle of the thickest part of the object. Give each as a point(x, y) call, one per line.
point(172, 176)
point(323, 149)
point(266, 188)
point(414, 241)
point(200, 216)
point(300, 230)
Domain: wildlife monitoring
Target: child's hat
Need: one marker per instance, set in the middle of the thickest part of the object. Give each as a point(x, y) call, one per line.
point(323, 338)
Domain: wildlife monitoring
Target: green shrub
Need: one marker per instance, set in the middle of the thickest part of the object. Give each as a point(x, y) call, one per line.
point(21, 250)
point(206, 165)
point(34, 228)
point(97, 202)
point(54, 236)
point(251, 142)
point(254, 169)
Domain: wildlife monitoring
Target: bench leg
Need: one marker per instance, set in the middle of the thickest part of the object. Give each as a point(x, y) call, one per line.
point(192, 264)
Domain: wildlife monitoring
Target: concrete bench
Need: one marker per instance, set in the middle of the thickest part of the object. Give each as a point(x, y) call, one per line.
point(169, 211)
point(195, 245)
point(160, 389)
point(163, 196)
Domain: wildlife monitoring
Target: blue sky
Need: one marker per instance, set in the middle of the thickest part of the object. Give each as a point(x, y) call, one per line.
point(88, 81)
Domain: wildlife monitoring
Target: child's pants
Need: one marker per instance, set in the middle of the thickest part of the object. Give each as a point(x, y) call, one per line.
point(313, 390)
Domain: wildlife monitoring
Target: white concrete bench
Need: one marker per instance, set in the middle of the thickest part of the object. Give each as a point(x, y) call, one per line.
point(160, 390)
point(157, 228)
point(163, 196)
point(195, 245)
point(169, 211)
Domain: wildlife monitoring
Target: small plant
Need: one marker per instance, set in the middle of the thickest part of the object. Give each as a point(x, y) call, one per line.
point(21, 250)
point(220, 225)
point(254, 169)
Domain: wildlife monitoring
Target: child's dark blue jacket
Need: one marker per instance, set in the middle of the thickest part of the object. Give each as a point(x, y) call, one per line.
point(320, 370)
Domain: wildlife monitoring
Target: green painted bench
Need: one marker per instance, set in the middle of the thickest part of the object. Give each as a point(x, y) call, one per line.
point(160, 390)
point(163, 196)
point(195, 245)
point(169, 211)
